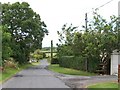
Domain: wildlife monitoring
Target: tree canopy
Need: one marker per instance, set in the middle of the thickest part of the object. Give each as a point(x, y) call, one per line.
point(26, 28)
point(96, 44)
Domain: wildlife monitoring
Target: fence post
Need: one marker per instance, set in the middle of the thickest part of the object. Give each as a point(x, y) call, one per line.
point(51, 49)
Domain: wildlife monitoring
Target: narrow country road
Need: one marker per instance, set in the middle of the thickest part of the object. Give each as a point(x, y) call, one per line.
point(35, 77)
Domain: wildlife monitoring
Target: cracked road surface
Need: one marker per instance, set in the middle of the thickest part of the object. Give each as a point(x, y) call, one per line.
point(35, 77)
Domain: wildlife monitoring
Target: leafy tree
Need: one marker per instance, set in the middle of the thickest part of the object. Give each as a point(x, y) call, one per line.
point(66, 37)
point(106, 35)
point(95, 45)
point(6, 49)
point(26, 28)
point(6, 43)
point(78, 44)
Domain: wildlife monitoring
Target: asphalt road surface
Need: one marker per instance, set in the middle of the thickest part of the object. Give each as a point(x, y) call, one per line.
point(35, 77)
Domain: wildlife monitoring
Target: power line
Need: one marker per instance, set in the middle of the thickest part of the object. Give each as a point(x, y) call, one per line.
point(100, 6)
point(86, 14)
point(105, 4)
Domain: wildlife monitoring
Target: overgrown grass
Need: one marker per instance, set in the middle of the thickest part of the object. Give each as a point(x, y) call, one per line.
point(9, 72)
point(56, 68)
point(106, 85)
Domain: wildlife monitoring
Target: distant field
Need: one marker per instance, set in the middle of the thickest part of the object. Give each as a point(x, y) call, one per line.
point(49, 54)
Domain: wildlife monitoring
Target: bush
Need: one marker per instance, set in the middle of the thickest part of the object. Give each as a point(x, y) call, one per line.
point(55, 60)
point(10, 63)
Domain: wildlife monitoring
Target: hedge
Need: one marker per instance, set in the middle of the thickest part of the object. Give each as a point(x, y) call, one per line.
point(78, 63)
point(93, 64)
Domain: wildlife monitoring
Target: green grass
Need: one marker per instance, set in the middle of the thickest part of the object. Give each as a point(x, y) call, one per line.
point(36, 63)
point(56, 68)
point(9, 72)
point(103, 85)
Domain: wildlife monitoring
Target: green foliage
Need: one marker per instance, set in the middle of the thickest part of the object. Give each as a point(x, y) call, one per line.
point(6, 43)
point(55, 60)
point(95, 45)
point(44, 55)
point(66, 37)
point(72, 62)
point(25, 27)
point(37, 55)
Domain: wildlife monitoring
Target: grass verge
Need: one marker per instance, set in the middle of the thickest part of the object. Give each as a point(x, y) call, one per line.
point(9, 72)
point(56, 68)
point(105, 85)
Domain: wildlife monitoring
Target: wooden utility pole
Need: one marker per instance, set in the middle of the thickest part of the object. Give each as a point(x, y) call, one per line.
point(51, 49)
point(86, 21)
point(86, 29)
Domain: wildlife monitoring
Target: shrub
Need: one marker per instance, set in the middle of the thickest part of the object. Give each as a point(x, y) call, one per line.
point(10, 63)
point(55, 60)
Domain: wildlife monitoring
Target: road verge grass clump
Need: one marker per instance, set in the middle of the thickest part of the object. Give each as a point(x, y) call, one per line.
point(105, 85)
point(68, 71)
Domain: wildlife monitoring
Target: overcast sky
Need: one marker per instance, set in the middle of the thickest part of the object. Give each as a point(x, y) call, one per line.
point(55, 13)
